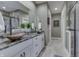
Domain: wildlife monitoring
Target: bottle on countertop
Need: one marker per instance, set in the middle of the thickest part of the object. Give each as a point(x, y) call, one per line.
point(33, 27)
point(39, 26)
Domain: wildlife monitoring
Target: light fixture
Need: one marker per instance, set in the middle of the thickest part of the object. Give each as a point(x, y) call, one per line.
point(3, 7)
point(55, 8)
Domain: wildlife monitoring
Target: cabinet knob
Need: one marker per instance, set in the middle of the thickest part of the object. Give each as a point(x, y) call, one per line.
point(22, 55)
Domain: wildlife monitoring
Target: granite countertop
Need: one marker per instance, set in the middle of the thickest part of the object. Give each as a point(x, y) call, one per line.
point(7, 44)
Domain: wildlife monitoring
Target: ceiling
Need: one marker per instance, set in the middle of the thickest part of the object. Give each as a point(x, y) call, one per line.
point(40, 2)
point(11, 5)
point(56, 4)
point(53, 5)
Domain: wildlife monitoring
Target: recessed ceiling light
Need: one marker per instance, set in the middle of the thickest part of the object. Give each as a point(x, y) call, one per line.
point(4, 7)
point(55, 8)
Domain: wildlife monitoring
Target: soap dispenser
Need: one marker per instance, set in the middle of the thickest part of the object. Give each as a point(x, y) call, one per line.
point(33, 27)
point(39, 26)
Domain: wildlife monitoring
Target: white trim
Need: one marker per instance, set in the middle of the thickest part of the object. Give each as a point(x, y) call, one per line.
point(55, 38)
point(68, 41)
point(49, 15)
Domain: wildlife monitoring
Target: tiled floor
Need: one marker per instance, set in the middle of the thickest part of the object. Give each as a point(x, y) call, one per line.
point(55, 48)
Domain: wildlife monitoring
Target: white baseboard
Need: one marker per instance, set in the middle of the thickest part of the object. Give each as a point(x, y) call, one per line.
point(55, 38)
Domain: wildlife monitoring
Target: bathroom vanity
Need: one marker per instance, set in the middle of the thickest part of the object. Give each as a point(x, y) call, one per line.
point(28, 46)
point(17, 20)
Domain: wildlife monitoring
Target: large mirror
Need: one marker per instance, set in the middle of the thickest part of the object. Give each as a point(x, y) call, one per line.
point(14, 13)
point(1, 23)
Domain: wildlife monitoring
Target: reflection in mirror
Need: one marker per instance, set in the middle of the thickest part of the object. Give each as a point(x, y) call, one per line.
point(13, 14)
point(1, 23)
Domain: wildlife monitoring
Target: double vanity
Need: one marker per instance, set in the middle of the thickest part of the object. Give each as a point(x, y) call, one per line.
point(28, 46)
